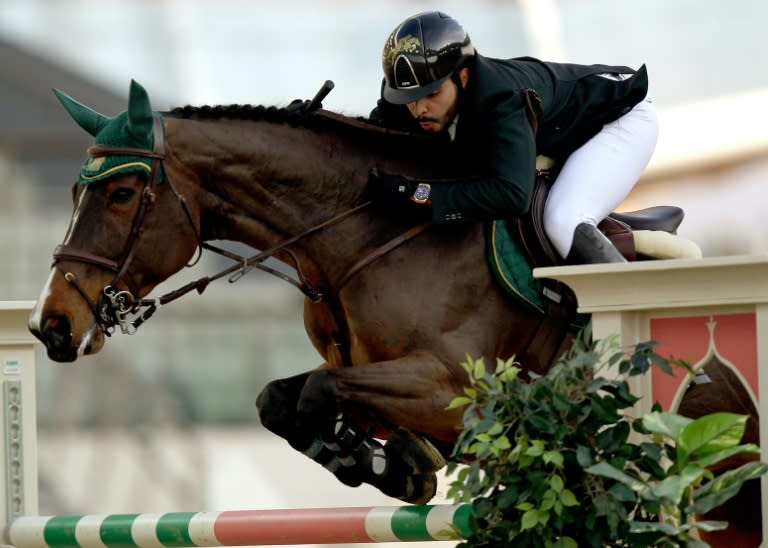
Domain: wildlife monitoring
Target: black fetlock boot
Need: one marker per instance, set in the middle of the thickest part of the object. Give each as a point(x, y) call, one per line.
point(358, 456)
point(590, 246)
point(316, 450)
point(404, 468)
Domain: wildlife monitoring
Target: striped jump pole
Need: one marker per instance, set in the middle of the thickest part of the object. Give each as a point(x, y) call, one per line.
point(245, 527)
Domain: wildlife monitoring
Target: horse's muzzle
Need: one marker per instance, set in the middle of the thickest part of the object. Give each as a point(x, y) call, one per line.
point(56, 334)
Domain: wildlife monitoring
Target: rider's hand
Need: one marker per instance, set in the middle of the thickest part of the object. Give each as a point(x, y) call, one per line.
point(389, 188)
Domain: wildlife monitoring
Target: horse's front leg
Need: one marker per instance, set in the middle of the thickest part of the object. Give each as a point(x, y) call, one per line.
point(277, 405)
point(406, 399)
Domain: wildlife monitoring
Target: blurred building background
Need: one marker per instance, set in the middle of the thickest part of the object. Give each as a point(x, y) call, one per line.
point(164, 420)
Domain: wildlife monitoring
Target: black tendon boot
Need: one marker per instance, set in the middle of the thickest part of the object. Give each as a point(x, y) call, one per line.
point(591, 246)
point(358, 457)
point(315, 449)
point(404, 468)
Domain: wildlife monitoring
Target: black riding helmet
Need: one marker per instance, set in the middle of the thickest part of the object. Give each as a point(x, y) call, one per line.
point(422, 53)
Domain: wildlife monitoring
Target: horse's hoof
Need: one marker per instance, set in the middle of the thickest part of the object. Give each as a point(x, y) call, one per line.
point(420, 488)
point(415, 451)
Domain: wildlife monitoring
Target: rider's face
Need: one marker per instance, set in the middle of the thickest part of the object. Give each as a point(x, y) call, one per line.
point(435, 112)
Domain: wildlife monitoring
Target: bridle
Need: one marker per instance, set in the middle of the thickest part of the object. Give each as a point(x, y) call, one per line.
point(114, 304)
point(118, 307)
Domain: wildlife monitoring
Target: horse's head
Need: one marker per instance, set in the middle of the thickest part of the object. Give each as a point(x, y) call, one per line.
point(124, 208)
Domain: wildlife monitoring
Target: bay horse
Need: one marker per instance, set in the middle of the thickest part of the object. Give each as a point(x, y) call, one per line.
point(392, 306)
point(392, 325)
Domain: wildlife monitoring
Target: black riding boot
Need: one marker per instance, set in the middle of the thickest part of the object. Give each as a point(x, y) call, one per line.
point(591, 246)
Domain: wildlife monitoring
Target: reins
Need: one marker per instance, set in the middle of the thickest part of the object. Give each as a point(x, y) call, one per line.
point(117, 307)
point(245, 264)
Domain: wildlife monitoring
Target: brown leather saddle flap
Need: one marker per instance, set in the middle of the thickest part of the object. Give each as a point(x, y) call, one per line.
point(533, 239)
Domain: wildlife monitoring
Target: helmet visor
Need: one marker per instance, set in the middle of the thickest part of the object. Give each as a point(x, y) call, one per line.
point(411, 93)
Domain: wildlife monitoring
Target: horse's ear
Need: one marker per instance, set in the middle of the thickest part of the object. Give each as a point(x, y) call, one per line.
point(87, 118)
point(139, 112)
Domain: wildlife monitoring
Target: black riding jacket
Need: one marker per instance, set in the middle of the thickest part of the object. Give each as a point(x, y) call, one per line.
point(494, 132)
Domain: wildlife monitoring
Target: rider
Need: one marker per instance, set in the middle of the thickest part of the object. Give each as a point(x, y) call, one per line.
point(596, 119)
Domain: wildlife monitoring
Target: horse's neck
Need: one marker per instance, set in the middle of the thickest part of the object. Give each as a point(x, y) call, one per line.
point(276, 174)
point(261, 184)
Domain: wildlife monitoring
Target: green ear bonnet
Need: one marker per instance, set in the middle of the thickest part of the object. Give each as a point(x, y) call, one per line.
point(132, 129)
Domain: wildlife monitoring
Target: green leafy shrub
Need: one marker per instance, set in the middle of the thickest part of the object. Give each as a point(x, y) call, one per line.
point(560, 462)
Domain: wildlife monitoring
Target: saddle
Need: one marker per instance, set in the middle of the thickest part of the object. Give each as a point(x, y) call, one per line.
point(517, 246)
point(617, 227)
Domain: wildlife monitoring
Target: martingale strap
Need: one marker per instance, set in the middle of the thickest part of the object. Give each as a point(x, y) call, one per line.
point(380, 252)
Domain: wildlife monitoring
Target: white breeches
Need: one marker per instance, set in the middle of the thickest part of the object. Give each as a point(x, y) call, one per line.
point(597, 177)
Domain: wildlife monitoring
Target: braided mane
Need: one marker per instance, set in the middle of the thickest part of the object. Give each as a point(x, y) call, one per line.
point(316, 120)
point(259, 112)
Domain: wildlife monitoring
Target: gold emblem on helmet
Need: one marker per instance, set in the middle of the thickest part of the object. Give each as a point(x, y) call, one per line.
point(406, 44)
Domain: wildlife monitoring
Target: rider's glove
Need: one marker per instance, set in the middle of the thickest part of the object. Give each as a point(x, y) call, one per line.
point(389, 188)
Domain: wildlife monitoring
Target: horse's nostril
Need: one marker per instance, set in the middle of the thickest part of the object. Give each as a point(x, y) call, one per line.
point(57, 332)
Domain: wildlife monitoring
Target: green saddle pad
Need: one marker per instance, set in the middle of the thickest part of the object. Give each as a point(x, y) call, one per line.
point(512, 270)
point(510, 267)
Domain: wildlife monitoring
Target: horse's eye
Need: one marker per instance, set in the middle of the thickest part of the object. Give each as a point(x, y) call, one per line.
point(122, 195)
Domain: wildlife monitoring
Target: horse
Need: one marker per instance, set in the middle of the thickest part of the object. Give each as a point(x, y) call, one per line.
point(393, 305)
point(392, 325)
